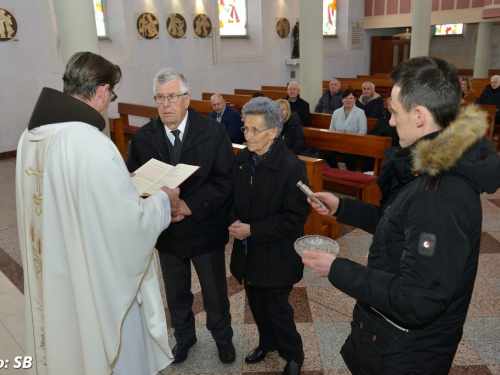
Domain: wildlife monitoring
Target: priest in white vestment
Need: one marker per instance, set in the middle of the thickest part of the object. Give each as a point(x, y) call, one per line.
point(93, 304)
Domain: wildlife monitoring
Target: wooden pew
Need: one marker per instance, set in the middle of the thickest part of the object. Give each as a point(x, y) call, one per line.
point(364, 187)
point(274, 88)
point(239, 100)
point(491, 110)
point(316, 223)
point(319, 120)
point(121, 130)
point(270, 94)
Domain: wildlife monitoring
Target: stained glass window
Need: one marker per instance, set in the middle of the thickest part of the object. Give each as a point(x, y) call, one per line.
point(100, 20)
point(233, 18)
point(449, 29)
point(329, 17)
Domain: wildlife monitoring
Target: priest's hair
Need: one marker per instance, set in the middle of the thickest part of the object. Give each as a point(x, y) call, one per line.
point(86, 71)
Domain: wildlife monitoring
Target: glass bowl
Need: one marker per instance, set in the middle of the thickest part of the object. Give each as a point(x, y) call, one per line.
point(317, 243)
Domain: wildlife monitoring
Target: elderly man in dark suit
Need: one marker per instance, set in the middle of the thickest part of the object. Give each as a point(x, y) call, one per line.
point(181, 135)
point(229, 117)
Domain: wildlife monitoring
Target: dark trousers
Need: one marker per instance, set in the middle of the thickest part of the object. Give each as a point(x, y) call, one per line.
point(274, 317)
point(211, 270)
point(348, 160)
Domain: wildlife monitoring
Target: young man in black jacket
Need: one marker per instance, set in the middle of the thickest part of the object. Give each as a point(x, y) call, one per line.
point(413, 296)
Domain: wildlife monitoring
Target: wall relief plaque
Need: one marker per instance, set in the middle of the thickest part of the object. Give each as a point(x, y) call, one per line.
point(202, 25)
point(8, 25)
point(176, 25)
point(147, 25)
point(282, 27)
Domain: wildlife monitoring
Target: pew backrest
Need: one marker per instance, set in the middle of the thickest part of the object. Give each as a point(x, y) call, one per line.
point(357, 144)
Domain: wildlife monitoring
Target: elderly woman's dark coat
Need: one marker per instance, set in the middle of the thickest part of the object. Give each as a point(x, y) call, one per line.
point(276, 210)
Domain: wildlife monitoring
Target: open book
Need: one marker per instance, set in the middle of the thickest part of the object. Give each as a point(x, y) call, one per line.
point(154, 174)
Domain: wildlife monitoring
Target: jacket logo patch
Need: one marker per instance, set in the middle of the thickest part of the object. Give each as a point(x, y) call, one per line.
point(427, 244)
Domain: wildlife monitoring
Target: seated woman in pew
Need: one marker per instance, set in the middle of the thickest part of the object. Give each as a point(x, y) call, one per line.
point(469, 95)
point(292, 131)
point(348, 119)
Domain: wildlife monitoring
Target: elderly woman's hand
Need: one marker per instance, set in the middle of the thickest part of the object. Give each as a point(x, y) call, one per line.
point(239, 230)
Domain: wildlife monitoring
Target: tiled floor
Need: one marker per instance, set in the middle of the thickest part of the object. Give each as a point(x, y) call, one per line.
point(322, 312)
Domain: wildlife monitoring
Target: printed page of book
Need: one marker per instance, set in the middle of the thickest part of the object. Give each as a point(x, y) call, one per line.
point(148, 174)
point(174, 177)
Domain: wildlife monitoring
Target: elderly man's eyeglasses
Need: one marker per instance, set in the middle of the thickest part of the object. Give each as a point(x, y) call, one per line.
point(172, 98)
point(253, 131)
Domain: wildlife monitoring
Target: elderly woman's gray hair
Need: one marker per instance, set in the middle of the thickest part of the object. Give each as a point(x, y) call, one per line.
point(169, 74)
point(269, 109)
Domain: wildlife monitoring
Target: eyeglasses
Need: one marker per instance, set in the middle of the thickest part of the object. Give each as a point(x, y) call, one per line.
point(113, 95)
point(172, 98)
point(253, 131)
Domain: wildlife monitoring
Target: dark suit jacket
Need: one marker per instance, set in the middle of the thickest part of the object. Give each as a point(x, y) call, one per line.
point(300, 107)
point(206, 143)
point(232, 121)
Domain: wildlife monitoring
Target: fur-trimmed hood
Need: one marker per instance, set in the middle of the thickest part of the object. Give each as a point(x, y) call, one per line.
point(461, 149)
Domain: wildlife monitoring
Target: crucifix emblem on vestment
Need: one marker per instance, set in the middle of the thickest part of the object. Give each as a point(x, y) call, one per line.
point(37, 196)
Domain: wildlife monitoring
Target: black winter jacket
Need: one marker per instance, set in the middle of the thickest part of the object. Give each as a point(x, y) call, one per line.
point(276, 210)
point(492, 97)
point(300, 107)
point(374, 107)
point(206, 192)
point(413, 296)
point(293, 134)
point(328, 103)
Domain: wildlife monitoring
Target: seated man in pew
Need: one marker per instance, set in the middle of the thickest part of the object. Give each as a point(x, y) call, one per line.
point(331, 99)
point(297, 104)
point(491, 95)
point(227, 116)
point(371, 102)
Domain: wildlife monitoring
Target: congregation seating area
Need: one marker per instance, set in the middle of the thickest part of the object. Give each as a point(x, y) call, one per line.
point(362, 186)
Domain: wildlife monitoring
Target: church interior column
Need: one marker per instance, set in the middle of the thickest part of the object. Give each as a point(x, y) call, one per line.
point(311, 51)
point(483, 50)
point(421, 28)
point(77, 31)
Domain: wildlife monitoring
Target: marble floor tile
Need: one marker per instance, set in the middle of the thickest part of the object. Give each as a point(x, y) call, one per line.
point(483, 334)
point(485, 301)
point(491, 223)
point(491, 206)
point(311, 279)
point(331, 337)
point(204, 358)
point(489, 244)
point(496, 285)
point(9, 350)
point(495, 369)
point(466, 355)
point(12, 310)
point(330, 305)
point(470, 370)
point(358, 244)
point(489, 266)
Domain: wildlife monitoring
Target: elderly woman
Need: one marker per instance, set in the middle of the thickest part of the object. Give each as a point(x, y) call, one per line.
point(268, 214)
point(292, 131)
point(348, 119)
point(468, 95)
